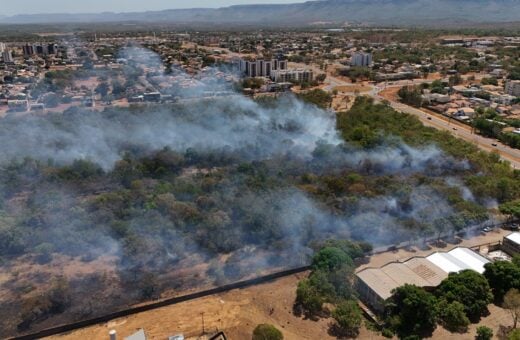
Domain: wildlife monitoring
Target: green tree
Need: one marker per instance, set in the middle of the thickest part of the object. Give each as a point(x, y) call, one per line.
point(330, 259)
point(348, 318)
point(308, 297)
point(489, 81)
point(511, 208)
point(514, 335)
point(267, 332)
point(318, 97)
point(410, 95)
point(484, 333)
point(502, 276)
point(51, 100)
point(469, 288)
point(411, 311)
point(453, 316)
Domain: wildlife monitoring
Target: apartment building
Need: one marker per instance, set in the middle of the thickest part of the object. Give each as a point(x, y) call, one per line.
point(361, 59)
point(292, 76)
point(261, 68)
point(513, 88)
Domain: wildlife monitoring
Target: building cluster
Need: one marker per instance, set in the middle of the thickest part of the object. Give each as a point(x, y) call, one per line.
point(375, 285)
point(30, 50)
point(279, 77)
point(276, 70)
point(463, 102)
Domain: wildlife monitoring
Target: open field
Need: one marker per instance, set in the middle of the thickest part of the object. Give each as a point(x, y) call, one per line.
point(236, 312)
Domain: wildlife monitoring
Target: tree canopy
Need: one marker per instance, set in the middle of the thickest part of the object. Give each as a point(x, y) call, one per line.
point(348, 318)
point(469, 288)
point(411, 311)
point(502, 276)
point(267, 332)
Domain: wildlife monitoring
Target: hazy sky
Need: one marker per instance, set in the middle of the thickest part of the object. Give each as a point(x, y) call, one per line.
point(11, 7)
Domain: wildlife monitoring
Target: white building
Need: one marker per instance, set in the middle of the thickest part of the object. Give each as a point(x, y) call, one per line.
point(361, 59)
point(2, 47)
point(261, 68)
point(8, 57)
point(297, 76)
point(513, 88)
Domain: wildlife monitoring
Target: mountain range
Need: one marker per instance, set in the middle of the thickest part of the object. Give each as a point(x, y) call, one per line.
point(375, 12)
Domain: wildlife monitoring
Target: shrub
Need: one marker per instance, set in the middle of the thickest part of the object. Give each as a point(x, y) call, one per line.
point(267, 332)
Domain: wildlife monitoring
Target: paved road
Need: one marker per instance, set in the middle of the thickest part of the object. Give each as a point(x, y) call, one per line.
point(509, 154)
point(464, 132)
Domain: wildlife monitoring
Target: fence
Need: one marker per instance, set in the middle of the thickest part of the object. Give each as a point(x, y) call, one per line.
point(159, 304)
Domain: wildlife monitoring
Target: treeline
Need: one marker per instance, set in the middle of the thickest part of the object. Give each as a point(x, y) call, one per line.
point(495, 129)
point(318, 97)
point(370, 125)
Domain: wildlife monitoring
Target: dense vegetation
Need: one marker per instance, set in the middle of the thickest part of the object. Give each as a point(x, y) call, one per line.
point(241, 209)
point(318, 97)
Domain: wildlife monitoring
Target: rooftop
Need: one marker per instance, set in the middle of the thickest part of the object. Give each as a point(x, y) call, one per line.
point(515, 237)
point(421, 271)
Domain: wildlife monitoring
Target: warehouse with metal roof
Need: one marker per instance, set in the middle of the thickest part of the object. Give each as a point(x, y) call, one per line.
point(375, 285)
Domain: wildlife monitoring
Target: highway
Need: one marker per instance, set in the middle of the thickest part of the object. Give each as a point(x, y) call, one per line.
point(458, 130)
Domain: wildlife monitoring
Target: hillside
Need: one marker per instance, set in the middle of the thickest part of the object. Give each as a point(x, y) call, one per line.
point(381, 12)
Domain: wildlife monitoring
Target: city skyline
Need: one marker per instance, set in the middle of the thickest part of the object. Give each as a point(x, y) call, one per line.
point(95, 6)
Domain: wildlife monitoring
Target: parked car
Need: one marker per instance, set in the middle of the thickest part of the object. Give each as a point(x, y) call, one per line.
point(486, 229)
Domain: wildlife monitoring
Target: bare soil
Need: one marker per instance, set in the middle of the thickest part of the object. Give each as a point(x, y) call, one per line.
point(236, 312)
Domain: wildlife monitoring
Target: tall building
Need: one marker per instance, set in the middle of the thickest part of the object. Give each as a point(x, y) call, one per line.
point(28, 50)
point(513, 88)
point(52, 49)
point(41, 49)
point(2, 47)
point(361, 59)
point(261, 68)
point(8, 57)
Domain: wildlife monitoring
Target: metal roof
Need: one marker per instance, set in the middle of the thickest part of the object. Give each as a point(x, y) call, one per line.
point(421, 271)
point(418, 271)
point(426, 270)
point(471, 259)
point(381, 283)
point(515, 237)
point(447, 262)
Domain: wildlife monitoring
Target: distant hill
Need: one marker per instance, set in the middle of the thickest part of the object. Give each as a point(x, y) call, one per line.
point(381, 12)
